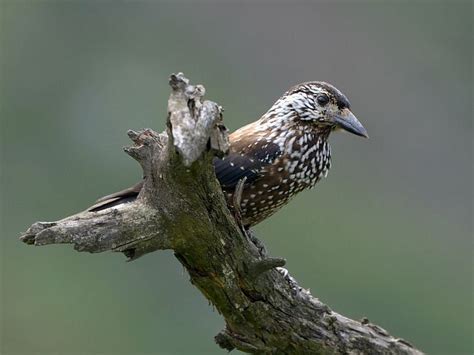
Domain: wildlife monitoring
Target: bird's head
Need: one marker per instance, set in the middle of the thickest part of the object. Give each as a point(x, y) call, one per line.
point(321, 105)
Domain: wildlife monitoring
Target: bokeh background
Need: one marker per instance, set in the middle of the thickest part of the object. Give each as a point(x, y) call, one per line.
point(388, 235)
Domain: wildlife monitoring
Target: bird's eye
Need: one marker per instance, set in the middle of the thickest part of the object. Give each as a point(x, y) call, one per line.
point(323, 99)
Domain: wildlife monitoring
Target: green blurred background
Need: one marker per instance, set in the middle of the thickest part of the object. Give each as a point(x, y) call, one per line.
point(388, 235)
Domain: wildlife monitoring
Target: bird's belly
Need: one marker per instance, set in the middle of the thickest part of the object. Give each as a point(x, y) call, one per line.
point(263, 197)
point(277, 184)
point(260, 200)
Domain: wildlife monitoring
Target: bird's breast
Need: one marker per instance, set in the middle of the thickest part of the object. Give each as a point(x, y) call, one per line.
point(303, 160)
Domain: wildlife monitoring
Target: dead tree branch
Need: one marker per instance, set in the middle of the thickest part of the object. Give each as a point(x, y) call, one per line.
point(182, 208)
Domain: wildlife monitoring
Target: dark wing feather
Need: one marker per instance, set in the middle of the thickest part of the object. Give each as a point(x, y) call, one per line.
point(117, 198)
point(233, 168)
point(247, 158)
point(249, 164)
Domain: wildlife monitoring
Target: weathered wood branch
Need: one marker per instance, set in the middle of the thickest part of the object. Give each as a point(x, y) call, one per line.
point(182, 208)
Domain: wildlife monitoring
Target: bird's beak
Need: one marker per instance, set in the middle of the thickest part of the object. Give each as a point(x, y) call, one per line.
point(348, 122)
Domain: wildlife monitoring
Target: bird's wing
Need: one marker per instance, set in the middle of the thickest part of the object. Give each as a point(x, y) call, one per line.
point(233, 168)
point(245, 160)
point(249, 154)
point(117, 198)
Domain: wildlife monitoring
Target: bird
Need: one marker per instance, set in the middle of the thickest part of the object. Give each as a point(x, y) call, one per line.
point(284, 152)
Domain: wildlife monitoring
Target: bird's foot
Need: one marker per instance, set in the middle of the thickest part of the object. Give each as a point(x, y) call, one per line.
point(257, 242)
point(283, 271)
point(295, 288)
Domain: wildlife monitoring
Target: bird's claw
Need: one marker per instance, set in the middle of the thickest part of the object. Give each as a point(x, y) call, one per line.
point(260, 246)
point(282, 271)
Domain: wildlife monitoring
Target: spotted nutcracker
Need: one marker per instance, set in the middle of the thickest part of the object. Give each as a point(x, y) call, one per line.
point(284, 152)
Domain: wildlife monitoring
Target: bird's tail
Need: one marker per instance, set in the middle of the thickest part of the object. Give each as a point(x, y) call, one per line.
point(117, 198)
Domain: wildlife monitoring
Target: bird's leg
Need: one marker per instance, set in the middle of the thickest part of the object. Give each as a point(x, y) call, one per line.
point(260, 246)
point(237, 198)
point(264, 263)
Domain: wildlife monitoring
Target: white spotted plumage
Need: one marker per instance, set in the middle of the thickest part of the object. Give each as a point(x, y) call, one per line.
point(295, 127)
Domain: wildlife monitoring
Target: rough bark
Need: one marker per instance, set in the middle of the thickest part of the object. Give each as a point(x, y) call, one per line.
point(182, 208)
